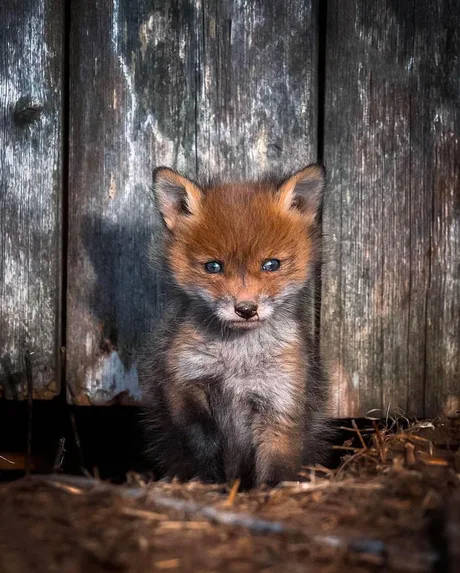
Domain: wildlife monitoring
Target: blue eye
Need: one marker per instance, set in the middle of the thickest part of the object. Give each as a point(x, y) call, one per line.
point(271, 265)
point(214, 267)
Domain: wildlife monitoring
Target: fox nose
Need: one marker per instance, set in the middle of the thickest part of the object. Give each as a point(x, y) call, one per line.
point(246, 309)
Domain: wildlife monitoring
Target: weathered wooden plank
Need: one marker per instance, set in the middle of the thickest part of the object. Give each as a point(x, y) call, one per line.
point(391, 289)
point(166, 83)
point(257, 95)
point(31, 63)
point(439, 169)
point(132, 107)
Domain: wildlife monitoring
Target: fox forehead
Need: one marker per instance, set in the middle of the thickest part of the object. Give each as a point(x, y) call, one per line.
point(242, 222)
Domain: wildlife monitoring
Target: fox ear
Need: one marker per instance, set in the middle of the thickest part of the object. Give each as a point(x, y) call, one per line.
point(176, 195)
point(303, 190)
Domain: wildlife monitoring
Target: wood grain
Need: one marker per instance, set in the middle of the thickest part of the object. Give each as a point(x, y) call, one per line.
point(31, 61)
point(257, 94)
point(439, 170)
point(206, 87)
point(231, 88)
point(132, 107)
point(390, 304)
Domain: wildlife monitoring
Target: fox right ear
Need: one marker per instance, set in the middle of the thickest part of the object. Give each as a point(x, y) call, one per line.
point(176, 195)
point(303, 191)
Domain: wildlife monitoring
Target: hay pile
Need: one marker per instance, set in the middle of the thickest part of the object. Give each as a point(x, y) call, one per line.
point(392, 504)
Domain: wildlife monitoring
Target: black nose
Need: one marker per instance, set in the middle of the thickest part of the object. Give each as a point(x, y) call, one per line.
point(246, 309)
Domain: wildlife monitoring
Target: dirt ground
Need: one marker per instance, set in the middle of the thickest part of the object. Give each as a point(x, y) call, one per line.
point(393, 504)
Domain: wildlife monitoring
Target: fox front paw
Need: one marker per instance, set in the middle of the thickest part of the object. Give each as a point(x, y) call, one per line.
point(275, 473)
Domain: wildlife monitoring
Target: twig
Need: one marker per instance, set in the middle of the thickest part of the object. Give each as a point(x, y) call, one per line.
point(416, 438)
point(348, 461)
point(348, 448)
point(167, 564)
point(379, 442)
point(30, 390)
point(328, 484)
point(142, 513)
point(432, 461)
point(355, 430)
point(317, 468)
point(360, 436)
point(167, 524)
point(305, 485)
point(67, 488)
point(231, 496)
point(60, 454)
point(76, 438)
point(410, 454)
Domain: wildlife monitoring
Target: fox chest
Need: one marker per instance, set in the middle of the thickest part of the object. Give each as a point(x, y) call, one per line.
point(261, 366)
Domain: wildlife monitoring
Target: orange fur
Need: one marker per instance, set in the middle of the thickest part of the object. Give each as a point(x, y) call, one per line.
point(242, 225)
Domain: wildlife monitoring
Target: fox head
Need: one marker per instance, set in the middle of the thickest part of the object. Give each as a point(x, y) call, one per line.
point(242, 250)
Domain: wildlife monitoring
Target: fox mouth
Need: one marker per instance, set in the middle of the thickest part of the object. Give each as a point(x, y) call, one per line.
point(245, 324)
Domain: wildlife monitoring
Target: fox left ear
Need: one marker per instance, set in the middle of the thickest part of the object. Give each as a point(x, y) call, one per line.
point(303, 190)
point(177, 196)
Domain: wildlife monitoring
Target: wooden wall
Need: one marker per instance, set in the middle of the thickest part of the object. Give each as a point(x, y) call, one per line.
point(391, 296)
point(232, 87)
point(214, 86)
point(31, 158)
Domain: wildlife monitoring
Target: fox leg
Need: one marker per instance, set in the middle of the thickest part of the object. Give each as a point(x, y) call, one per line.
point(233, 417)
point(278, 452)
point(239, 454)
point(200, 440)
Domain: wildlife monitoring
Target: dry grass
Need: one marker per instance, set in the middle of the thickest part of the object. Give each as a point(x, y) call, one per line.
point(391, 505)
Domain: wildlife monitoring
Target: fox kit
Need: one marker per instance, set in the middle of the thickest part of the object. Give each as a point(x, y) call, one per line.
point(233, 385)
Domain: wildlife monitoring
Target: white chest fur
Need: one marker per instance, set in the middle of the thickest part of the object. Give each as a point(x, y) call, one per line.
point(252, 364)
